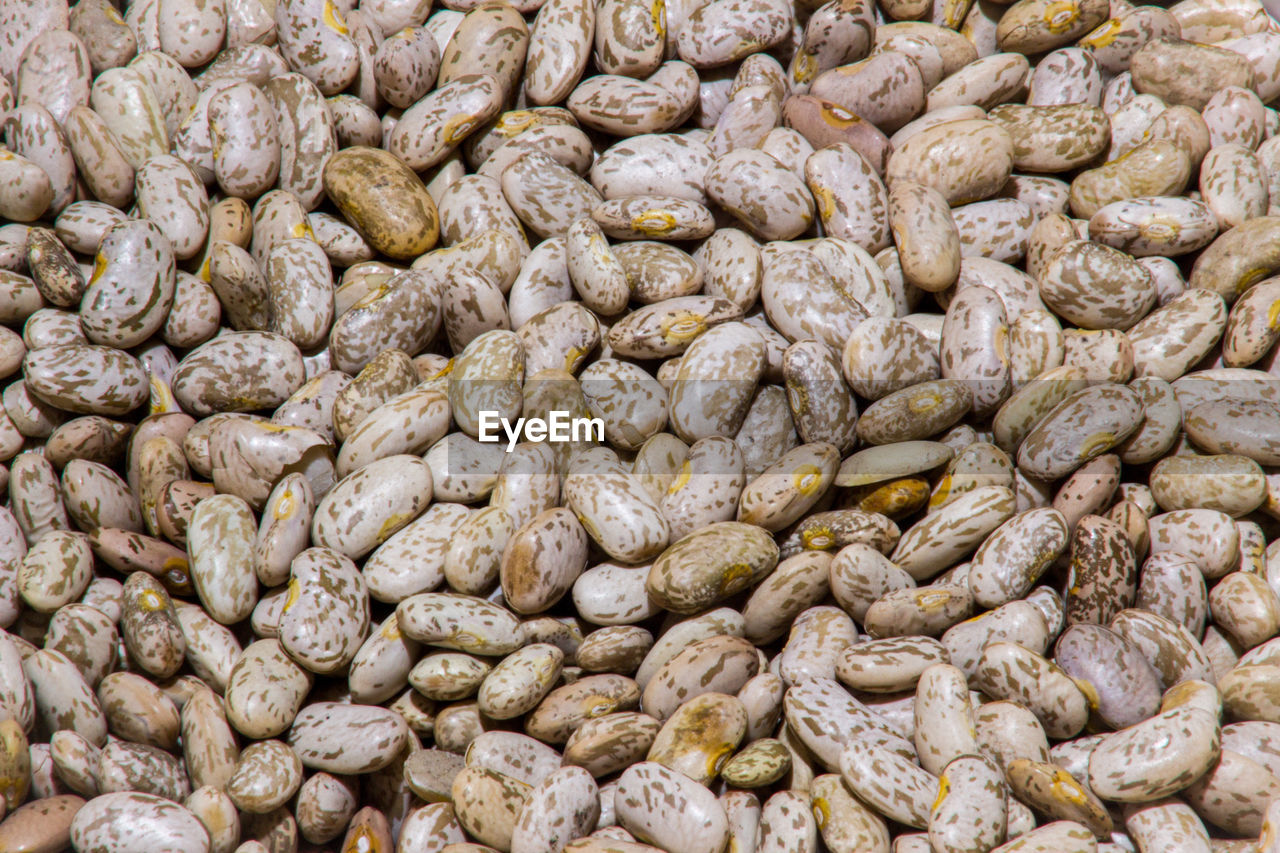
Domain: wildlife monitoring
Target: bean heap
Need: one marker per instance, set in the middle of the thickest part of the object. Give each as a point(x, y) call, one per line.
point(932, 346)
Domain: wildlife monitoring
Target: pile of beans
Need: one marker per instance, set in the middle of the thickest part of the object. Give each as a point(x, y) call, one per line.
point(932, 347)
